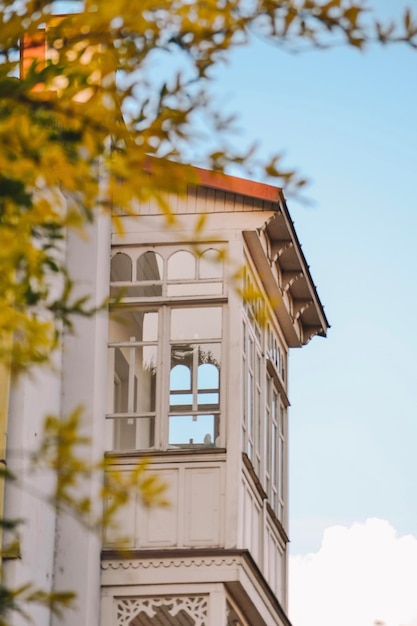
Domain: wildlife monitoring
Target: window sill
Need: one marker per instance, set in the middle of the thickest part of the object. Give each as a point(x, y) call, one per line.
point(215, 454)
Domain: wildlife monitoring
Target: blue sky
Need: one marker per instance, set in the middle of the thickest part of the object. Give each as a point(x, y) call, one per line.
point(348, 121)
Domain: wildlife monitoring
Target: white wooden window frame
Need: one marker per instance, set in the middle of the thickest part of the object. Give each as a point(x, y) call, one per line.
point(265, 441)
point(165, 305)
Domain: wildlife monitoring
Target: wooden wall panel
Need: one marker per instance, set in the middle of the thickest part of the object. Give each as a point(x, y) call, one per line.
point(202, 507)
point(193, 517)
point(122, 531)
point(158, 526)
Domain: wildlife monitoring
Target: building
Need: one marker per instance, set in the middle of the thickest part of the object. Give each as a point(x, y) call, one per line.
point(190, 370)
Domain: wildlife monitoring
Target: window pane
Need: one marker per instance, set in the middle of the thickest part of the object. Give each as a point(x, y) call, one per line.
point(135, 379)
point(121, 268)
point(189, 430)
point(250, 405)
point(196, 323)
point(208, 376)
point(274, 455)
point(144, 380)
point(208, 383)
point(281, 469)
point(180, 378)
point(181, 265)
point(209, 353)
point(181, 401)
point(149, 266)
point(124, 434)
point(251, 353)
point(258, 419)
point(211, 264)
point(181, 388)
point(150, 326)
point(121, 382)
point(130, 325)
point(205, 399)
point(133, 434)
point(180, 384)
point(134, 375)
point(194, 378)
point(267, 426)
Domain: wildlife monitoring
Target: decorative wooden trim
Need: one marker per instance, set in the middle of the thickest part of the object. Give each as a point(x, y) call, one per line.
point(203, 557)
point(278, 247)
point(151, 562)
point(129, 608)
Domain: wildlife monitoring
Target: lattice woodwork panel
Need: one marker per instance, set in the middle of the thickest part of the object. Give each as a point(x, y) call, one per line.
point(168, 611)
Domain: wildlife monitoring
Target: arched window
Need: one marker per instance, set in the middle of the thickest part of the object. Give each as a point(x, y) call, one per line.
point(208, 385)
point(149, 269)
point(211, 264)
point(181, 266)
point(180, 387)
point(121, 268)
point(149, 266)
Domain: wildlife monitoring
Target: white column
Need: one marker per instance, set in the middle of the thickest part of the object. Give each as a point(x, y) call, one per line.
point(107, 611)
point(234, 409)
point(217, 608)
point(84, 381)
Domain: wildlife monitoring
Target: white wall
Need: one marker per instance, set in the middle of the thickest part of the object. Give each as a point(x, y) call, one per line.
point(84, 373)
point(32, 398)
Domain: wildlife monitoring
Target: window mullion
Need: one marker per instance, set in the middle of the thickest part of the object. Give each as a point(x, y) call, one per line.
point(131, 383)
point(164, 345)
point(194, 378)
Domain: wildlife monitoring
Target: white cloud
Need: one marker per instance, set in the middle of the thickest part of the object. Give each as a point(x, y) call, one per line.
point(364, 575)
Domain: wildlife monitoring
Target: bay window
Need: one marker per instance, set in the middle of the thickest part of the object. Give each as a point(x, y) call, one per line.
point(264, 397)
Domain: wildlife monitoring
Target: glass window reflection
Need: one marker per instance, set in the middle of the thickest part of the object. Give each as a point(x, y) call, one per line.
point(186, 430)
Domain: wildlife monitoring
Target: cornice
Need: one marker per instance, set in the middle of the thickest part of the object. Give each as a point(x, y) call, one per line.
point(152, 563)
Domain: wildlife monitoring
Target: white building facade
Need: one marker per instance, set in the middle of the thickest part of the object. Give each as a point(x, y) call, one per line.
point(197, 382)
point(188, 370)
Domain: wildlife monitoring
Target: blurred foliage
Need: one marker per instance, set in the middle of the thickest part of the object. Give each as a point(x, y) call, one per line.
point(13, 600)
point(61, 451)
